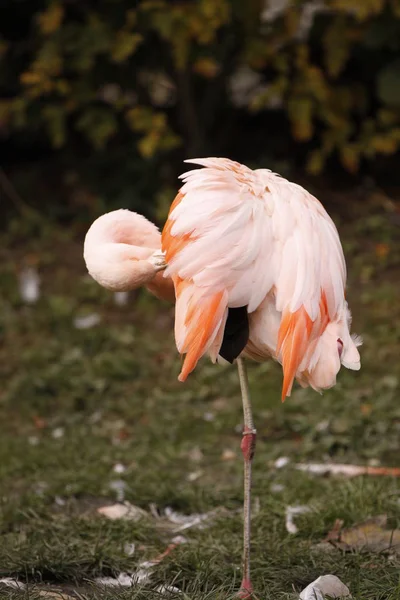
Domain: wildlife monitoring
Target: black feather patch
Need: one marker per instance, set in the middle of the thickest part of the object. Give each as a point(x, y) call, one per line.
point(236, 333)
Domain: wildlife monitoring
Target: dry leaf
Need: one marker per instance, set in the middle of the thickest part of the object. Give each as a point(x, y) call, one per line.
point(372, 535)
point(346, 470)
point(12, 583)
point(54, 595)
point(334, 534)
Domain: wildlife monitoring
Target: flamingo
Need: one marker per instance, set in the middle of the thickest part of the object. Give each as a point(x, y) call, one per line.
point(258, 272)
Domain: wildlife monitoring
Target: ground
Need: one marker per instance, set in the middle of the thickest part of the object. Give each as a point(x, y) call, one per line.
point(90, 416)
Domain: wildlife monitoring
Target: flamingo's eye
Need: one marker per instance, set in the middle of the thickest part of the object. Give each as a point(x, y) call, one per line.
point(339, 347)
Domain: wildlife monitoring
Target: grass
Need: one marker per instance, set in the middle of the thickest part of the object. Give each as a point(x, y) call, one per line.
point(74, 403)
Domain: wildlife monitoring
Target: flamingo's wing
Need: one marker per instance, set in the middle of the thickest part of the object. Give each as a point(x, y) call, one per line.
point(233, 236)
point(216, 242)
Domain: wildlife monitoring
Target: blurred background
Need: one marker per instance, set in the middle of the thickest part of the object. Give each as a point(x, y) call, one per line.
point(100, 103)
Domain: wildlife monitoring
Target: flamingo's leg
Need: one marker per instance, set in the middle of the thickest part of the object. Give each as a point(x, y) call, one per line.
point(248, 447)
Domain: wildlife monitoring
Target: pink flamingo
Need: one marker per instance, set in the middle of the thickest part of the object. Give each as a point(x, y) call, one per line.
point(258, 271)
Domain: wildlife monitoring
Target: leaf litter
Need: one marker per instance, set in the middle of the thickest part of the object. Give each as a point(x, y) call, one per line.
point(346, 470)
point(372, 535)
point(143, 573)
point(168, 520)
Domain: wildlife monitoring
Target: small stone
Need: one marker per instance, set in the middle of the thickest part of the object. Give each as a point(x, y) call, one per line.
point(209, 416)
point(326, 585)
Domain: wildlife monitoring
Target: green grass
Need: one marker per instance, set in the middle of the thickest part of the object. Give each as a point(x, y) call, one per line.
point(74, 403)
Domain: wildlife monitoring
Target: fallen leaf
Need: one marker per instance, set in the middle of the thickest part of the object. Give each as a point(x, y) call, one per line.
point(372, 535)
point(39, 422)
point(382, 250)
point(366, 409)
point(125, 511)
point(326, 585)
point(334, 533)
point(54, 595)
point(12, 583)
point(346, 470)
point(291, 512)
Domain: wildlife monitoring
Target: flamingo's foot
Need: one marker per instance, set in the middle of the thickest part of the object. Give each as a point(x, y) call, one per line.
point(246, 590)
point(157, 259)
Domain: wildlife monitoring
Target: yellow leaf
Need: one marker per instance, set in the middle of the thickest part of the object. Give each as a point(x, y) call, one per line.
point(139, 118)
point(315, 162)
point(50, 20)
point(206, 67)
point(31, 78)
point(125, 45)
point(148, 144)
point(362, 10)
point(385, 144)
point(300, 113)
point(337, 47)
point(350, 157)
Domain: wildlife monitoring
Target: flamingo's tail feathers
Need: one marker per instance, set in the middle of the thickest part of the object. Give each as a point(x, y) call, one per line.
point(294, 334)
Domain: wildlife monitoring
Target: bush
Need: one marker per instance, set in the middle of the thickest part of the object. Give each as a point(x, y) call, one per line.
point(181, 78)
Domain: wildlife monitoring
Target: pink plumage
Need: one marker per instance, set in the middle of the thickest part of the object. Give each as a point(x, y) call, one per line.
point(237, 237)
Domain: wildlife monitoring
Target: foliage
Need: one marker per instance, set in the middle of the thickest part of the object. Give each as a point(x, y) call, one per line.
point(179, 76)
